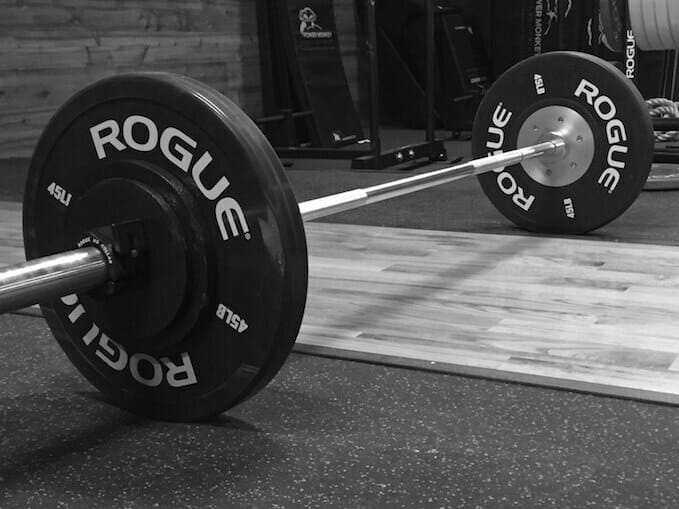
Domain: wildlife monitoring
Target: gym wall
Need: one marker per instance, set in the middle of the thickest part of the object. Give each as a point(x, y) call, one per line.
point(51, 49)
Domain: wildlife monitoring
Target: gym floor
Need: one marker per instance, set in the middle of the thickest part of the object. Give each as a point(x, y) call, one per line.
point(330, 432)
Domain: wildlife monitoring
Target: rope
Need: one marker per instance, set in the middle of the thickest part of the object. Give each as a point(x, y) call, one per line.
point(664, 108)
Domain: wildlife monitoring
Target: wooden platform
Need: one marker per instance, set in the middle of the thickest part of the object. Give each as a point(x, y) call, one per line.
point(569, 313)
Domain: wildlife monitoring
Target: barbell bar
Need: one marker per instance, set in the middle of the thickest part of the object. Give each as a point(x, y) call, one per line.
point(187, 285)
point(48, 277)
point(320, 207)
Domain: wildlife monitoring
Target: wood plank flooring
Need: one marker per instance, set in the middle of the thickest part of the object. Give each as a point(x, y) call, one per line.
point(570, 313)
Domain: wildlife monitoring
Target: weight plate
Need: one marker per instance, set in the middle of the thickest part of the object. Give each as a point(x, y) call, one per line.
point(282, 348)
point(673, 9)
point(210, 191)
point(614, 112)
point(662, 22)
point(637, 22)
point(651, 28)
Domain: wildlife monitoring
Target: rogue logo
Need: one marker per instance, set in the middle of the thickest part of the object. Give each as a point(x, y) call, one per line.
point(616, 133)
point(505, 180)
point(630, 55)
point(308, 28)
point(117, 358)
point(176, 146)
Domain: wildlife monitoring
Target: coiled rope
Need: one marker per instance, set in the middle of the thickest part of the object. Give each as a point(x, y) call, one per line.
point(664, 108)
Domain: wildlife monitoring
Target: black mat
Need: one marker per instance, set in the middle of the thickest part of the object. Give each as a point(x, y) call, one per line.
point(328, 433)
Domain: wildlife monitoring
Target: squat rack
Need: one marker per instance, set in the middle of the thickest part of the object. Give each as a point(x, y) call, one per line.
point(374, 157)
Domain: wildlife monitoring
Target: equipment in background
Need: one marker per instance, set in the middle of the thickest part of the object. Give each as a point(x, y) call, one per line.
point(167, 249)
point(461, 67)
point(654, 30)
point(305, 37)
point(627, 33)
point(561, 92)
point(309, 111)
point(655, 23)
point(665, 170)
point(524, 28)
point(661, 108)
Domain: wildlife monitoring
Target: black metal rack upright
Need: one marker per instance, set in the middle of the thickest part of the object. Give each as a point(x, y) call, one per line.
point(278, 99)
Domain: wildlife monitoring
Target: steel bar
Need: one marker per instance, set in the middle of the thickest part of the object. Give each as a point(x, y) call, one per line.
point(326, 205)
point(51, 276)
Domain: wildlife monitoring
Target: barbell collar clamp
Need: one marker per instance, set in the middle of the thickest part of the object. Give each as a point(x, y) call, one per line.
point(108, 259)
point(125, 246)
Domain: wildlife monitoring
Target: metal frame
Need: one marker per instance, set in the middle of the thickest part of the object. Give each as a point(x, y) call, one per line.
point(374, 157)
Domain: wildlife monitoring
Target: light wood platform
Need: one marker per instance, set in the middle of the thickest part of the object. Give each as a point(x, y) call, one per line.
point(569, 313)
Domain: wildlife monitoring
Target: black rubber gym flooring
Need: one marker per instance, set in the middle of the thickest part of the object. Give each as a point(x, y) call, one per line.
point(332, 433)
point(328, 433)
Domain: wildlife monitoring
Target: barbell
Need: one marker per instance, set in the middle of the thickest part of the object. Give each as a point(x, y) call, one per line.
point(167, 249)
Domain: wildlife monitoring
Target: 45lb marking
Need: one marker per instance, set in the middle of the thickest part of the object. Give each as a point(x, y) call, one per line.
point(60, 194)
point(233, 320)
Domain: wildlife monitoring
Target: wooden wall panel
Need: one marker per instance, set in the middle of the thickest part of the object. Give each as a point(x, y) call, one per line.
point(50, 49)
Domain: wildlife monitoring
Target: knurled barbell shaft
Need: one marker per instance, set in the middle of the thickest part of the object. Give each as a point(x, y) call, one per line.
point(53, 276)
point(44, 278)
point(347, 200)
